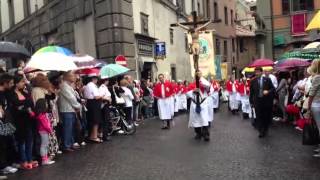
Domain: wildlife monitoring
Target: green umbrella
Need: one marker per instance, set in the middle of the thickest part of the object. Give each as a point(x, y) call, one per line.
point(299, 54)
point(112, 70)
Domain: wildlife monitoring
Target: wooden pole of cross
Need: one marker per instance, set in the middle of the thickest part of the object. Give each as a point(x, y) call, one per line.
point(194, 27)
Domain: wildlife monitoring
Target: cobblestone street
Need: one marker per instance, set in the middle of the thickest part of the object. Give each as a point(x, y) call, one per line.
point(235, 152)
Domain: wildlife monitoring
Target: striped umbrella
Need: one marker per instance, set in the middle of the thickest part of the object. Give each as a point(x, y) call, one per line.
point(54, 49)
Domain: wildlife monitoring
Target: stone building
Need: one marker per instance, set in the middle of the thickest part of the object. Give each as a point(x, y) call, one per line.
point(285, 22)
point(101, 28)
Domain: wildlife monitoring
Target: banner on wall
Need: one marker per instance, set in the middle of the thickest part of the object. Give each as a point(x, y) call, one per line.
point(217, 62)
point(206, 56)
point(224, 71)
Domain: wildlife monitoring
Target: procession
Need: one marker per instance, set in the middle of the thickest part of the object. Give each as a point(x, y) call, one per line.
point(204, 89)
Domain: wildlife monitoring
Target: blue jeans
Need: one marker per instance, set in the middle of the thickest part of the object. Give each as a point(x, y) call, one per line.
point(315, 108)
point(25, 147)
point(68, 123)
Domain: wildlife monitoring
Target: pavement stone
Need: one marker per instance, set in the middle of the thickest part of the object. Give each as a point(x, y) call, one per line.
point(234, 153)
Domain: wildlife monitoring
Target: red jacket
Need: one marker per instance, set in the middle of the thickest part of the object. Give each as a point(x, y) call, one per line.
point(183, 89)
point(169, 91)
point(243, 87)
point(229, 85)
point(192, 86)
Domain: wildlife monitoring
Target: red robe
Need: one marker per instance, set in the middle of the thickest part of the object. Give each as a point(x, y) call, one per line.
point(229, 85)
point(157, 90)
point(244, 87)
point(215, 85)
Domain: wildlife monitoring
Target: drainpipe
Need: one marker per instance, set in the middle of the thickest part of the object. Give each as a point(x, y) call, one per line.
point(272, 29)
point(94, 26)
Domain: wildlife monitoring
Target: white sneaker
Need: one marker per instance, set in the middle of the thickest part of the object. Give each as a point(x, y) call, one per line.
point(76, 145)
point(49, 162)
point(3, 177)
point(317, 150)
point(299, 129)
point(83, 144)
point(9, 170)
point(120, 132)
point(136, 124)
point(316, 155)
point(59, 152)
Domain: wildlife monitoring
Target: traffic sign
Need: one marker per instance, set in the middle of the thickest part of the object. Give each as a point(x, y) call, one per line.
point(121, 60)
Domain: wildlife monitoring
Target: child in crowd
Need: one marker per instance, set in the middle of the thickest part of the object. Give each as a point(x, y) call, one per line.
point(44, 129)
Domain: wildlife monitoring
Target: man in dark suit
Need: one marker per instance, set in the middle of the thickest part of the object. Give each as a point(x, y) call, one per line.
point(261, 98)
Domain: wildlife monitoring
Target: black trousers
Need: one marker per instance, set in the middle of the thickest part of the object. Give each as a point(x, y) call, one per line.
point(106, 126)
point(202, 131)
point(264, 115)
point(128, 111)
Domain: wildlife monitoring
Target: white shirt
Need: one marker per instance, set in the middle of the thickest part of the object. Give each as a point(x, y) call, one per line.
point(104, 92)
point(273, 79)
point(127, 96)
point(91, 91)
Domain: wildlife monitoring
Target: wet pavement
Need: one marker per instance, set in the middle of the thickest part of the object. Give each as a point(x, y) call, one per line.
point(234, 153)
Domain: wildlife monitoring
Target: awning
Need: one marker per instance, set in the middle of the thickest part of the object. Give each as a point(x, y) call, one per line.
point(279, 40)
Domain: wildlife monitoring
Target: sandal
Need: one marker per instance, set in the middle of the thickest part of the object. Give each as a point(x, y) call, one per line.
point(34, 164)
point(96, 140)
point(26, 166)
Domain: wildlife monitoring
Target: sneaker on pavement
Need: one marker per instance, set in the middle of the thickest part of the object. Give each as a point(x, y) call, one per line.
point(48, 162)
point(317, 150)
point(83, 143)
point(76, 145)
point(136, 124)
point(59, 152)
point(9, 170)
point(120, 132)
point(316, 155)
point(3, 177)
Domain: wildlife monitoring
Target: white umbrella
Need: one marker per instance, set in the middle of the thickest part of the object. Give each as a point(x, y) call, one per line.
point(51, 61)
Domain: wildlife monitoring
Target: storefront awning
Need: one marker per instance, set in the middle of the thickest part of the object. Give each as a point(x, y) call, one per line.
point(279, 40)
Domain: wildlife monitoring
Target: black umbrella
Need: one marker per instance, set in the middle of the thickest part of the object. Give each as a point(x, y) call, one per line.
point(13, 50)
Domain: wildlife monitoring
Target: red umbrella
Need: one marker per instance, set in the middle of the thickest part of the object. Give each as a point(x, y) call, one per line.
point(262, 63)
point(292, 63)
point(89, 72)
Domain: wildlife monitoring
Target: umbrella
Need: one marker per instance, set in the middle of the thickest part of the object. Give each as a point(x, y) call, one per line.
point(51, 61)
point(312, 47)
point(13, 50)
point(55, 49)
point(251, 69)
point(261, 63)
point(112, 70)
point(292, 63)
point(86, 62)
point(89, 72)
point(314, 23)
point(299, 54)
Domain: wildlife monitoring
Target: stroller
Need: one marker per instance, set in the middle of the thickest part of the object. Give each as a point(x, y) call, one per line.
point(118, 121)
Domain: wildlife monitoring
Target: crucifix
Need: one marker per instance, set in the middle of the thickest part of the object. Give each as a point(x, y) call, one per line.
point(194, 27)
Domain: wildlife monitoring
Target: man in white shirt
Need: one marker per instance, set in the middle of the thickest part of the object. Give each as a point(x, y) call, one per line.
point(268, 73)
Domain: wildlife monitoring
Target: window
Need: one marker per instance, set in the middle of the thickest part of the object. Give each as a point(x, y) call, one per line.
point(285, 7)
point(199, 10)
point(181, 5)
point(173, 73)
point(18, 10)
point(225, 48)
point(216, 11)
point(144, 24)
point(208, 8)
point(5, 17)
point(241, 45)
point(231, 14)
point(35, 5)
point(186, 43)
point(171, 36)
point(300, 5)
point(218, 51)
point(226, 15)
point(233, 46)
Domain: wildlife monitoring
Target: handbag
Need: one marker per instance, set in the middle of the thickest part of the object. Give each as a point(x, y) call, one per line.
point(6, 129)
point(310, 134)
point(119, 100)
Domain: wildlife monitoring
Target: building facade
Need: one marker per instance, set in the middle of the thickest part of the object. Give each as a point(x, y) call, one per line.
point(159, 47)
point(101, 28)
point(285, 22)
